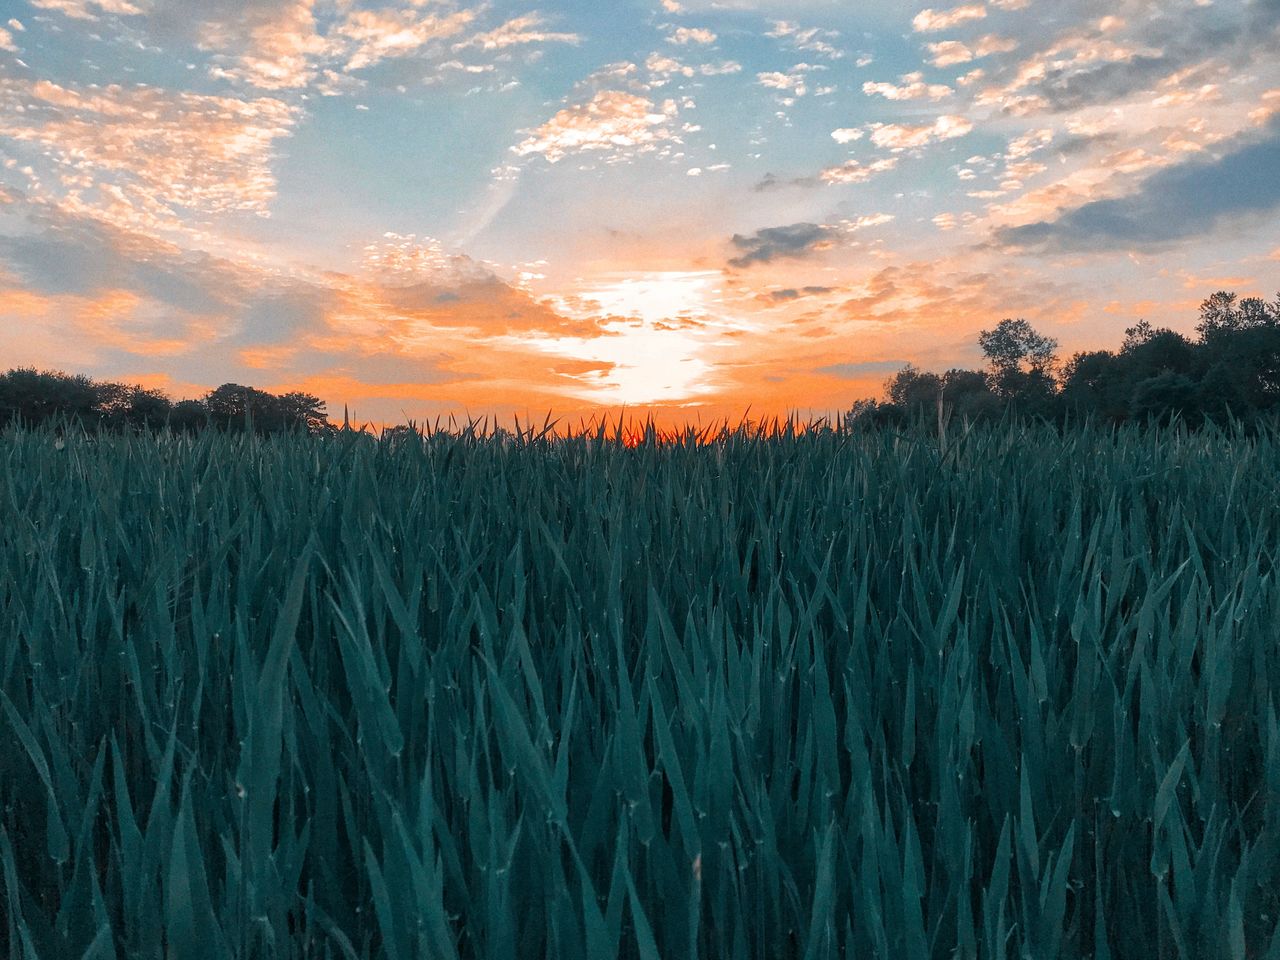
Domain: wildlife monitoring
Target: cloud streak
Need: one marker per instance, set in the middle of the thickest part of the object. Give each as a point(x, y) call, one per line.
point(1188, 200)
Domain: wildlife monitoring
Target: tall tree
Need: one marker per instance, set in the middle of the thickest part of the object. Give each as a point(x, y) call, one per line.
point(1015, 345)
point(303, 411)
point(913, 389)
point(1022, 363)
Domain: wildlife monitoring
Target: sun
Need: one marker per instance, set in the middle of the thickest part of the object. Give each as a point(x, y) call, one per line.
point(657, 333)
point(657, 297)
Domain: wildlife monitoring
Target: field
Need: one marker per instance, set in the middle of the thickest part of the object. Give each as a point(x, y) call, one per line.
point(1005, 693)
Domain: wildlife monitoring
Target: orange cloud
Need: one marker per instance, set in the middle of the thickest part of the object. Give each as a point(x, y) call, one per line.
point(273, 49)
point(379, 34)
point(149, 151)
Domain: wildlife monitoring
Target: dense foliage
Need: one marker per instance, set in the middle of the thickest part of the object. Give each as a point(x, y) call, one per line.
point(33, 397)
point(1006, 693)
point(1231, 371)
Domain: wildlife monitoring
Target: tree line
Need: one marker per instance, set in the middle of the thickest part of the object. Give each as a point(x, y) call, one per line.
point(1230, 369)
point(33, 397)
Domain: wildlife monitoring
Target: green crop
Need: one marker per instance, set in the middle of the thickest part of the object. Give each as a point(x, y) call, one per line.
point(796, 695)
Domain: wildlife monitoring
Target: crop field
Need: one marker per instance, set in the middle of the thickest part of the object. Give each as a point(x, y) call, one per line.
point(1006, 693)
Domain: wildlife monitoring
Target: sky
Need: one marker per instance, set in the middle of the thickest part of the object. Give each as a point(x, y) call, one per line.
point(695, 209)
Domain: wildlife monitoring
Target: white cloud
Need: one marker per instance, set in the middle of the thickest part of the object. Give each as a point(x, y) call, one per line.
point(686, 35)
point(898, 136)
point(862, 223)
point(812, 39)
point(948, 53)
point(612, 121)
point(928, 21)
point(521, 30)
point(912, 87)
point(379, 34)
point(853, 171)
point(1028, 144)
point(87, 9)
point(793, 82)
point(662, 68)
point(847, 134)
point(991, 43)
point(723, 68)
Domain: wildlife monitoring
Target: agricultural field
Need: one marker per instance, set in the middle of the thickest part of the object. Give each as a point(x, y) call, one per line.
point(1003, 693)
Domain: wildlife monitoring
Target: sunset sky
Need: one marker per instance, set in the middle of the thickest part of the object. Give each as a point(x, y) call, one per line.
point(418, 207)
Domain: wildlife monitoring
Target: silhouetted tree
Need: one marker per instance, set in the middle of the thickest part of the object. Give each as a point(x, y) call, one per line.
point(872, 415)
point(1222, 314)
point(304, 412)
point(120, 405)
point(189, 416)
point(1218, 396)
point(1014, 344)
point(149, 409)
point(1163, 396)
point(1231, 370)
point(1022, 363)
point(33, 396)
point(1092, 385)
point(1138, 334)
point(969, 394)
point(913, 389)
point(234, 407)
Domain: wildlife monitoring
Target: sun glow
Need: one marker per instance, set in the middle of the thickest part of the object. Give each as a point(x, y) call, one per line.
point(656, 297)
point(656, 332)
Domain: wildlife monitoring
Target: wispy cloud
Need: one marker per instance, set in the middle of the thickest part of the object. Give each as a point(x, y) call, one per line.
point(530, 28)
point(854, 171)
point(809, 39)
point(87, 9)
point(1187, 200)
point(375, 35)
